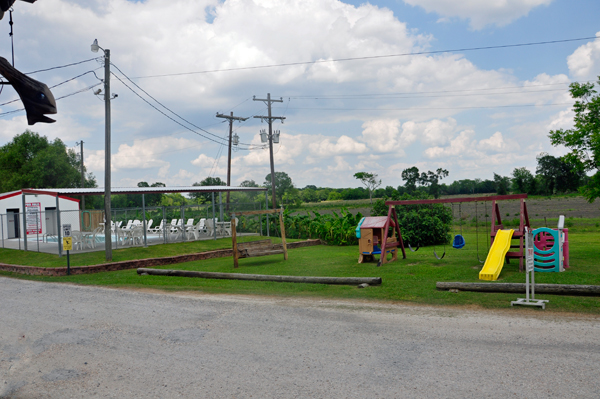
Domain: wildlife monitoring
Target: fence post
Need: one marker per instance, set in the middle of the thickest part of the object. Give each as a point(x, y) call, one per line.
point(2, 227)
point(221, 206)
point(37, 230)
point(182, 224)
point(59, 227)
point(164, 225)
point(267, 207)
point(214, 222)
point(260, 217)
point(24, 234)
point(144, 224)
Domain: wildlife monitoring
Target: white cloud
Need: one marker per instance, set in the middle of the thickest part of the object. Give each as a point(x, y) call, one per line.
point(584, 63)
point(480, 13)
point(382, 135)
point(142, 154)
point(497, 143)
point(343, 145)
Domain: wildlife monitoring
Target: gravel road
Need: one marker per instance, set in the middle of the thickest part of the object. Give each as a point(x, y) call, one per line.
point(67, 341)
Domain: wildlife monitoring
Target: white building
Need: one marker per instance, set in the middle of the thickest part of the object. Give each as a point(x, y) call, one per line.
point(41, 217)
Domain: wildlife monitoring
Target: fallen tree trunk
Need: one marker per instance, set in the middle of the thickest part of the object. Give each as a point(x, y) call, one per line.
point(519, 288)
point(264, 277)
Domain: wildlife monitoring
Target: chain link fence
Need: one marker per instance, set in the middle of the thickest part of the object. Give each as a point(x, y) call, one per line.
point(42, 231)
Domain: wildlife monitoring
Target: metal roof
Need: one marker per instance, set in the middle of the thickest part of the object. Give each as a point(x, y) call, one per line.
point(138, 190)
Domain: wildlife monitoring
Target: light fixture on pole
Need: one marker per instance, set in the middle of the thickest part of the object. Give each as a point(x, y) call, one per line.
point(107, 185)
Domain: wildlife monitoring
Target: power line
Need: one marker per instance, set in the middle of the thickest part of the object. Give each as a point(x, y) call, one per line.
point(62, 66)
point(369, 57)
point(395, 96)
point(429, 108)
point(171, 111)
point(57, 98)
point(171, 118)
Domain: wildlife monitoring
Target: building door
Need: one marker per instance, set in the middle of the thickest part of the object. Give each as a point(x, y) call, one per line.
point(13, 223)
point(51, 227)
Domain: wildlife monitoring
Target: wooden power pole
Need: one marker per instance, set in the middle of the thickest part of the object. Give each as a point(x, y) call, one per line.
point(231, 118)
point(270, 119)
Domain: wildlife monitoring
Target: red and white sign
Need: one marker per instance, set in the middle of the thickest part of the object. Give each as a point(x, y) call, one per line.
point(33, 212)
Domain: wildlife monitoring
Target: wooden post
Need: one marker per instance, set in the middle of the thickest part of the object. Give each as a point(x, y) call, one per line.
point(282, 225)
point(236, 254)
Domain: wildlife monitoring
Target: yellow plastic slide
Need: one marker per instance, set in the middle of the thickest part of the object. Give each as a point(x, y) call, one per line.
point(495, 259)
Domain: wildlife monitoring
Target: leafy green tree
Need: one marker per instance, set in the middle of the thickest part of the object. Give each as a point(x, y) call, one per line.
point(522, 181)
point(283, 182)
point(558, 174)
point(431, 180)
point(31, 161)
point(173, 199)
point(411, 177)
point(502, 184)
point(584, 138)
point(209, 181)
point(334, 196)
point(370, 181)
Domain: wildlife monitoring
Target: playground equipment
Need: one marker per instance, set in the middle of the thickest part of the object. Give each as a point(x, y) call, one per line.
point(551, 253)
point(261, 247)
point(495, 259)
point(459, 241)
point(374, 231)
point(496, 218)
point(529, 265)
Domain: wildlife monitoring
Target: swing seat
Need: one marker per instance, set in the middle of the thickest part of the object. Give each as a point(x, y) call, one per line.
point(259, 248)
point(458, 242)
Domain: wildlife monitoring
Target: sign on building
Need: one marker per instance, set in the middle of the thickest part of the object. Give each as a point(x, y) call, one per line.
point(33, 217)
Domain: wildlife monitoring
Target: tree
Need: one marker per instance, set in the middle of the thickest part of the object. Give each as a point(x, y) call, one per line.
point(584, 138)
point(523, 181)
point(411, 177)
point(31, 161)
point(502, 184)
point(431, 180)
point(558, 174)
point(370, 181)
point(209, 181)
point(282, 183)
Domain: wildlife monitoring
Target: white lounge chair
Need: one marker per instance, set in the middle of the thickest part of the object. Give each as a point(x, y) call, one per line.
point(210, 227)
point(149, 225)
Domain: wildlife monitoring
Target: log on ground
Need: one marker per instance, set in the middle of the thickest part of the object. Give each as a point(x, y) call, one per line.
point(519, 288)
point(264, 277)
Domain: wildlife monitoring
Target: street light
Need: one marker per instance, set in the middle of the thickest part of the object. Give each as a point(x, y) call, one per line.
point(107, 211)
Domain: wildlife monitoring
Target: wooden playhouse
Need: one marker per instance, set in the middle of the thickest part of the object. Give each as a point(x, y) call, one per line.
point(372, 232)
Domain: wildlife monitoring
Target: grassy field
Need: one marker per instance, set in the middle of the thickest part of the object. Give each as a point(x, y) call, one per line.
point(407, 280)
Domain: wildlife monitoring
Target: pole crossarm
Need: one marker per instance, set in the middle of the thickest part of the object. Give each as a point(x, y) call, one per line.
point(458, 199)
point(270, 118)
point(231, 117)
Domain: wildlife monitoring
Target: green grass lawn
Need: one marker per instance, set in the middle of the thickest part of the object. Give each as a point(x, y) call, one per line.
point(408, 280)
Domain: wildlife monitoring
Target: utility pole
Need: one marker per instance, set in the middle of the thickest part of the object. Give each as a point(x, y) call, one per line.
point(82, 175)
point(107, 147)
point(270, 119)
point(231, 118)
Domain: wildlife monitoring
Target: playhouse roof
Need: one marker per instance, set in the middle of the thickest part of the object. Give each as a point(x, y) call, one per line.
point(374, 222)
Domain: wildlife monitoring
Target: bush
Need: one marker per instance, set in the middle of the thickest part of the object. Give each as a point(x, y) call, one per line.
point(420, 225)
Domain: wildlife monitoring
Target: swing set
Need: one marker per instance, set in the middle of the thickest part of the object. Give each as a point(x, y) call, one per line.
point(496, 223)
point(260, 247)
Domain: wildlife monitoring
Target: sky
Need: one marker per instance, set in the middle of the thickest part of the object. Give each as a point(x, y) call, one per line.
point(376, 86)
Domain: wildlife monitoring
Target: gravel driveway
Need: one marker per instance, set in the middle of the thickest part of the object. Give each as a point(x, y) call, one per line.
point(66, 341)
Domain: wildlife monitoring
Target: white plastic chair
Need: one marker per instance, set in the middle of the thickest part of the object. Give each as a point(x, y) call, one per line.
point(149, 225)
point(210, 227)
